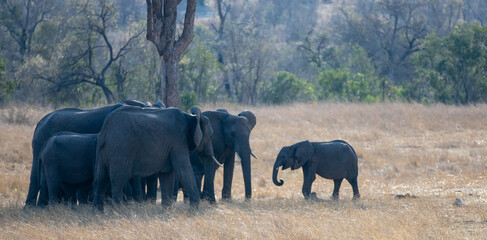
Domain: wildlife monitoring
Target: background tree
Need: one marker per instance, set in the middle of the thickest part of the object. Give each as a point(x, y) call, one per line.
point(20, 18)
point(161, 30)
point(344, 50)
point(6, 86)
point(89, 51)
point(198, 69)
point(453, 69)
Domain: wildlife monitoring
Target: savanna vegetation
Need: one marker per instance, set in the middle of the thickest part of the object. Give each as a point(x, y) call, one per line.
point(429, 154)
point(84, 53)
point(404, 82)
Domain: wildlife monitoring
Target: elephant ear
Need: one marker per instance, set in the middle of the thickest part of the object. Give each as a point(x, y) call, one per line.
point(303, 151)
point(159, 104)
point(198, 134)
point(251, 119)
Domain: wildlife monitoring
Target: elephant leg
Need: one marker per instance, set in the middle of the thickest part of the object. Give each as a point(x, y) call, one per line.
point(186, 197)
point(83, 194)
point(208, 187)
point(70, 194)
point(182, 169)
point(151, 182)
point(228, 177)
point(143, 184)
point(175, 190)
point(34, 184)
point(336, 190)
point(55, 190)
point(127, 192)
point(309, 178)
point(44, 192)
point(166, 180)
point(118, 181)
point(198, 176)
point(353, 182)
point(119, 177)
point(136, 189)
point(100, 185)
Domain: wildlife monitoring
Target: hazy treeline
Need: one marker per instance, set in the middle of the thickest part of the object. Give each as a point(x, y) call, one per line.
point(247, 51)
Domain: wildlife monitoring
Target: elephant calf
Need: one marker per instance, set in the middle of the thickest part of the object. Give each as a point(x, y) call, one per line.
point(332, 160)
point(68, 161)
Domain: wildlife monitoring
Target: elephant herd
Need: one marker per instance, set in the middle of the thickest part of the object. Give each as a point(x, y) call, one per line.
point(125, 148)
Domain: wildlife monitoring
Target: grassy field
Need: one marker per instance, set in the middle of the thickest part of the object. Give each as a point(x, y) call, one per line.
point(430, 154)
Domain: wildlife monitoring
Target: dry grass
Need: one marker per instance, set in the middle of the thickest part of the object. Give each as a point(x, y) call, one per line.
point(435, 153)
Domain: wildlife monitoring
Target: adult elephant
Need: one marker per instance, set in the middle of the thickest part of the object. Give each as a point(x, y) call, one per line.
point(69, 120)
point(135, 142)
point(149, 184)
point(230, 136)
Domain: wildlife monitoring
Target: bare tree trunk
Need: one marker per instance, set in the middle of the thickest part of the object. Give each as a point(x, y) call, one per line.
point(161, 30)
point(163, 82)
point(172, 76)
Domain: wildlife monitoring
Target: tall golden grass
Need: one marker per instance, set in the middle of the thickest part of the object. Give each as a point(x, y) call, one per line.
point(431, 154)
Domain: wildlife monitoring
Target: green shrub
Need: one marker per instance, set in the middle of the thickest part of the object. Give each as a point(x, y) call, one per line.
point(188, 100)
point(288, 88)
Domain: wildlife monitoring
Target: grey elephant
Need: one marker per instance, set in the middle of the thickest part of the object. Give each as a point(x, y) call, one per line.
point(148, 184)
point(230, 136)
point(135, 142)
point(71, 120)
point(67, 162)
point(332, 160)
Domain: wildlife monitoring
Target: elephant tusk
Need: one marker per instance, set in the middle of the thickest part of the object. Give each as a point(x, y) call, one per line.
point(216, 161)
point(253, 155)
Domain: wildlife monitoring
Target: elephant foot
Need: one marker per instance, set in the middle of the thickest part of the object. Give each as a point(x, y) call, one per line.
point(165, 207)
point(226, 199)
point(29, 204)
point(313, 197)
point(335, 197)
point(100, 208)
point(208, 197)
point(194, 205)
point(356, 197)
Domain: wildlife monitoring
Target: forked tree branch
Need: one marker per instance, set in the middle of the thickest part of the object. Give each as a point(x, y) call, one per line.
point(183, 42)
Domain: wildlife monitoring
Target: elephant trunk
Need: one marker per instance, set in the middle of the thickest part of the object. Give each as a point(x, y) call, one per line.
point(244, 154)
point(275, 170)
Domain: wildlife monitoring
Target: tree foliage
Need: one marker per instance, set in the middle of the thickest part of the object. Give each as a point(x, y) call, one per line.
point(453, 69)
point(249, 52)
point(287, 88)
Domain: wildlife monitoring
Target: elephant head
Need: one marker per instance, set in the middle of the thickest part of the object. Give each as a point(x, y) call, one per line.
point(159, 104)
point(294, 157)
